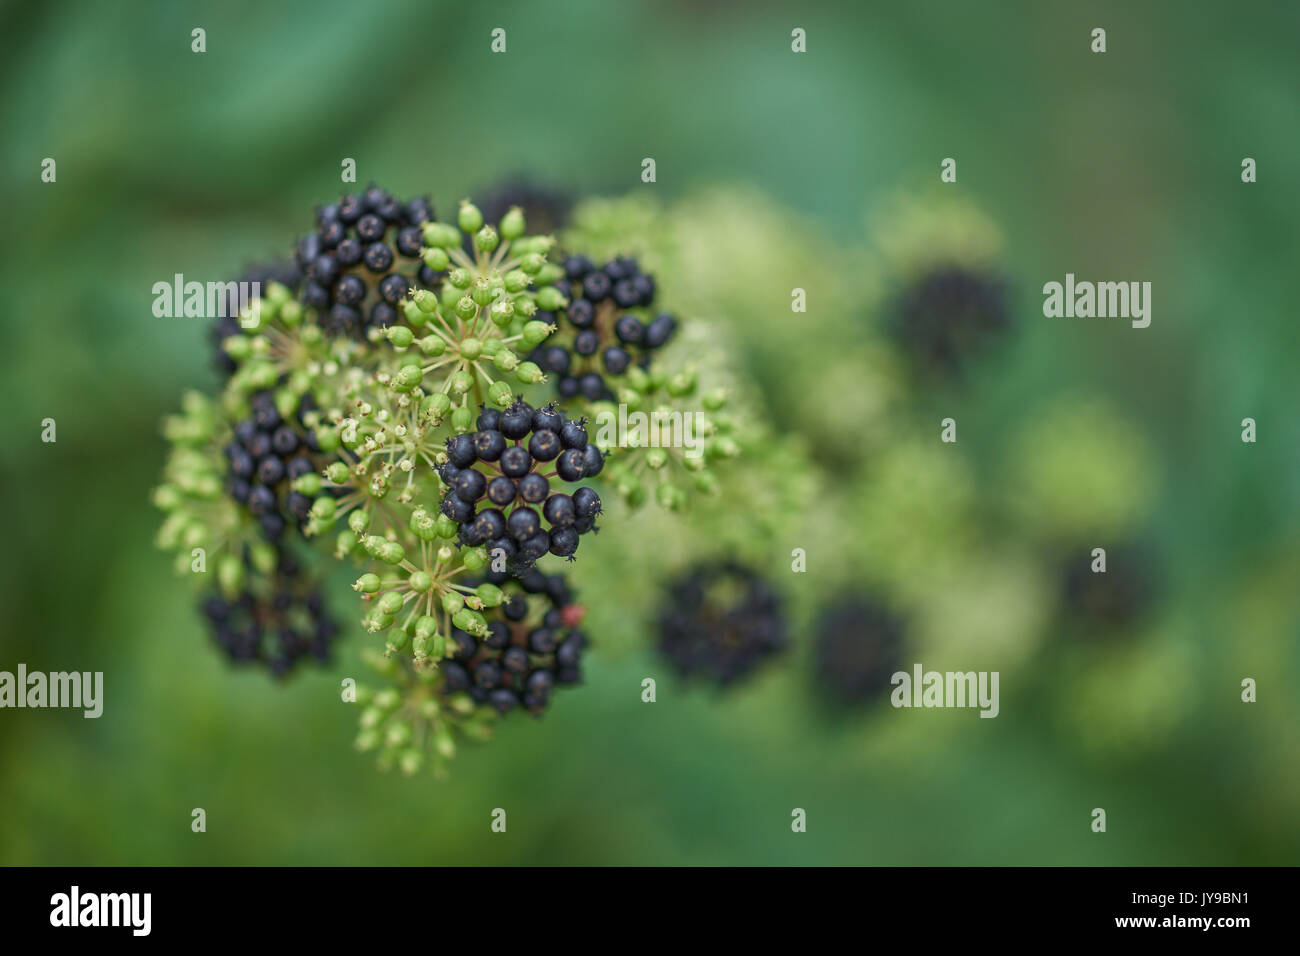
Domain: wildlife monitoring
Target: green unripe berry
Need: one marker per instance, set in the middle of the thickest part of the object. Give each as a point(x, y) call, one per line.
point(359, 520)
point(490, 594)
point(230, 575)
point(502, 313)
point(367, 584)
point(389, 603)
point(470, 348)
point(436, 259)
point(424, 525)
point(525, 307)
point(408, 377)
point(337, 472)
point(537, 332)
point(445, 527)
point(486, 239)
point(549, 273)
point(469, 218)
point(481, 291)
point(461, 382)
point(532, 263)
point(420, 581)
point(466, 307)
point(715, 399)
point(412, 312)
point(392, 553)
point(550, 298)
point(452, 602)
point(426, 626)
point(345, 543)
point(506, 360)
point(670, 497)
point(436, 405)
point(512, 223)
point(530, 373)
point(475, 559)
point(308, 484)
point(501, 395)
point(439, 235)
point(328, 438)
point(462, 418)
point(400, 335)
point(324, 508)
point(516, 281)
point(460, 278)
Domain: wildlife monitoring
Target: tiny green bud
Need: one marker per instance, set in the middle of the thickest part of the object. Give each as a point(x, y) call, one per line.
point(481, 291)
point(501, 394)
point(368, 583)
point(392, 553)
point(445, 527)
point(460, 278)
point(516, 281)
point(470, 348)
point(474, 558)
point(420, 581)
point(452, 602)
point(337, 472)
point(308, 484)
point(462, 418)
point(506, 360)
point(466, 307)
point(426, 626)
point(408, 377)
point(433, 345)
point(400, 335)
point(389, 603)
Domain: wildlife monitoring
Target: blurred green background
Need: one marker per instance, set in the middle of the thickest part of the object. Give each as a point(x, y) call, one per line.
point(1117, 166)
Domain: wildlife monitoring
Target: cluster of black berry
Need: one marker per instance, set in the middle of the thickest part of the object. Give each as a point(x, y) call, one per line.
point(276, 623)
point(354, 277)
point(503, 466)
point(721, 621)
point(859, 648)
point(1102, 601)
point(948, 315)
point(605, 338)
point(266, 457)
point(534, 645)
point(286, 272)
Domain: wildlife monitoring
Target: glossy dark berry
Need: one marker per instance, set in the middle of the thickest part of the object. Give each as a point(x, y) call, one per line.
point(515, 461)
point(501, 491)
point(460, 450)
point(533, 488)
point(949, 316)
point(523, 524)
point(858, 649)
point(559, 510)
point(489, 444)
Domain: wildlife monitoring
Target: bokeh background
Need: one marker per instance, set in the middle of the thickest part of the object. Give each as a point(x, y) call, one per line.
point(775, 170)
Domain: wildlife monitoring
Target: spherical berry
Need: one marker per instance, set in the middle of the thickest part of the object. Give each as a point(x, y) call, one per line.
point(523, 524)
point(515, 461)
point(501, 490)
point(559, 510)
point(571, 465)
point(489, 444)
point(544, 445)
point(533, 488)
point(469, 485)
point(378, 257)
point(460, 450)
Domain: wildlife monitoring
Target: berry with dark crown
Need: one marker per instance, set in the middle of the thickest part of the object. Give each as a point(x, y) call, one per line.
point(859, 647)
point(721, 621)
point(608, 328)
point(505, 483)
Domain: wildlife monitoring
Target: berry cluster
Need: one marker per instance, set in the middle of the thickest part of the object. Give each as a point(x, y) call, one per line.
point(530, 648)
point(721, 621)
point(948, 314)
point(858, 650)
point(1118, 597)
point(502, 467)
point(275, 620)
point(604, 334)
point(271, 468)
point(355, 276)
